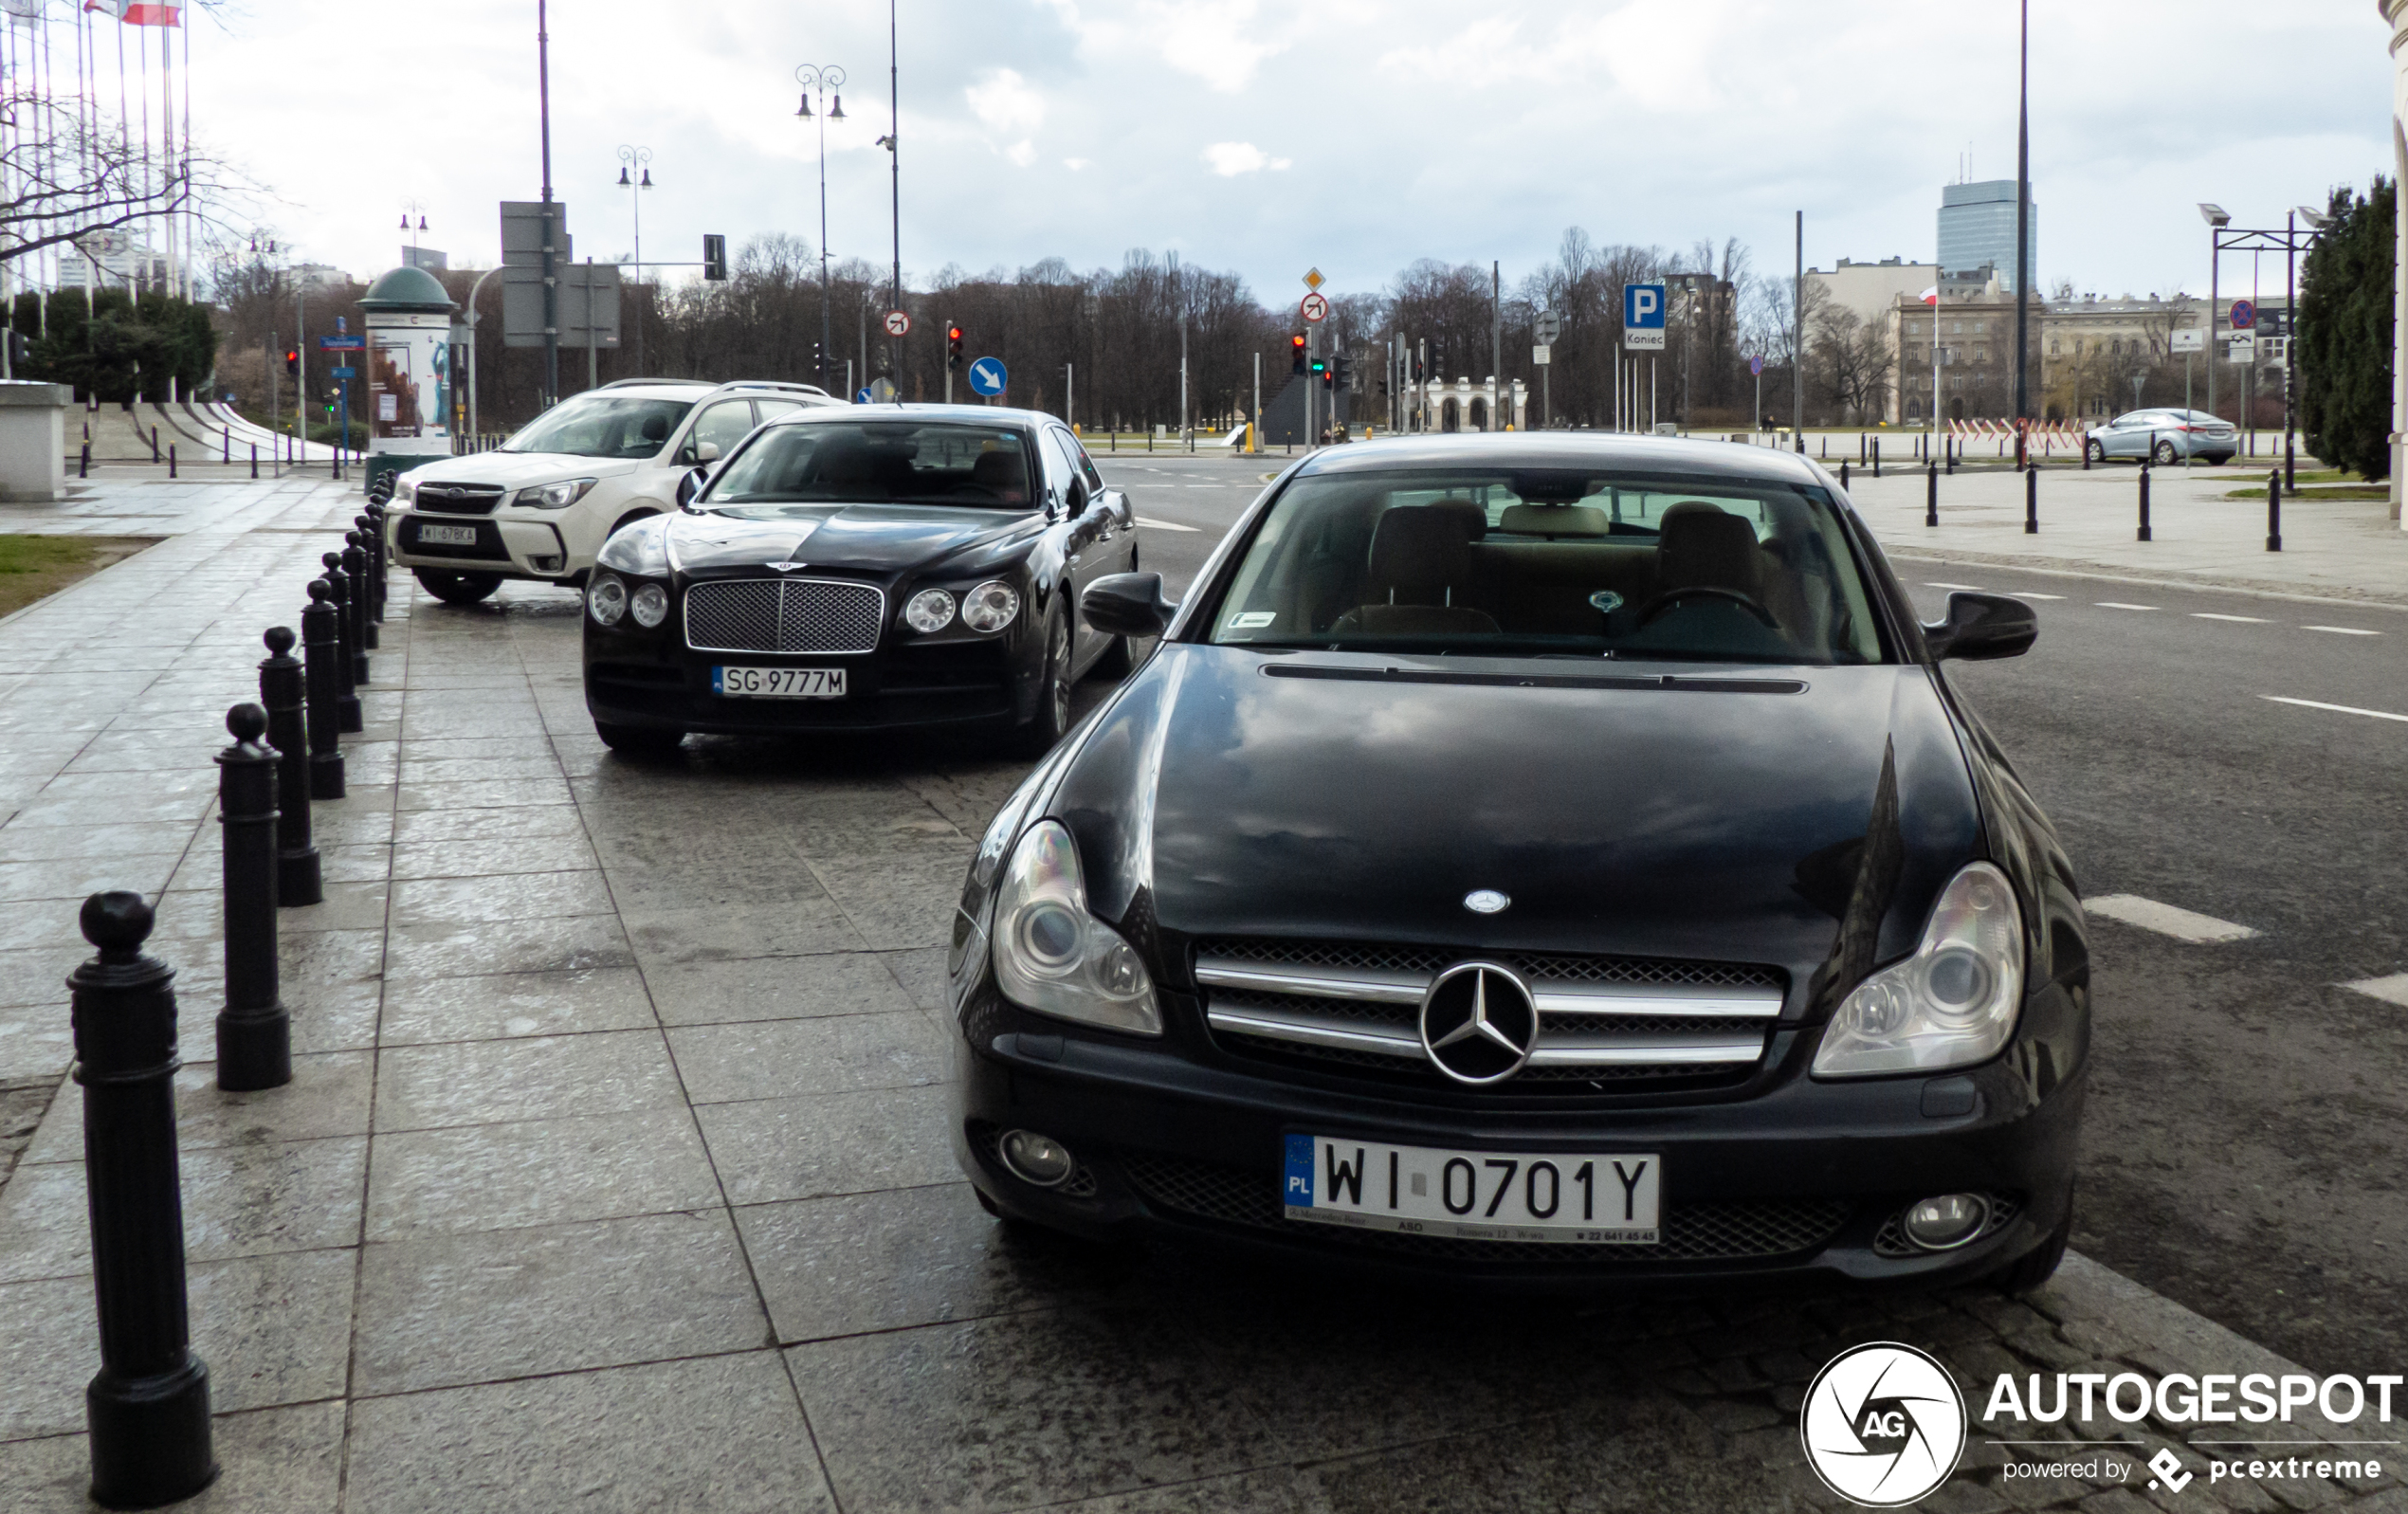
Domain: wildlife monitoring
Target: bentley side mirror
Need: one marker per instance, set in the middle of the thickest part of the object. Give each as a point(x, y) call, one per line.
point(691, 484)
point(1127, 603)
point(1981, 627)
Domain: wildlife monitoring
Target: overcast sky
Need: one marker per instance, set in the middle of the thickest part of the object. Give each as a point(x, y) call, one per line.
point(1266, 138)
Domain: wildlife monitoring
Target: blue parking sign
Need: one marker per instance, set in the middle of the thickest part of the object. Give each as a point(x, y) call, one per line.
point(1643, 316)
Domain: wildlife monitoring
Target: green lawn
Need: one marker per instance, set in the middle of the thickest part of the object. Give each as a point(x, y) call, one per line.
point(33, 568)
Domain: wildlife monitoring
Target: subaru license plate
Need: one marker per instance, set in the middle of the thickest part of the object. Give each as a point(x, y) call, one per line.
point(778, 683)
point(1552, 1195)
point(431, 533)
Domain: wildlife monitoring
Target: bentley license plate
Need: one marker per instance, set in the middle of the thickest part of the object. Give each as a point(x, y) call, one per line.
point(432, 534)
point(778, 683)
point(1595, 1198)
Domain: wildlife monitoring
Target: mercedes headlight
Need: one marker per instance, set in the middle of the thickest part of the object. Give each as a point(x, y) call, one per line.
point(990, 607)
point(553, 496)
point(1051, 956)
point(1950, 1004)
point(650, 605)
point(605, 599)
point(929, 610)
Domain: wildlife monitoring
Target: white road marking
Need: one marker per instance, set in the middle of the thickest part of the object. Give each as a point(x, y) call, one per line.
point(2343, 630)
point(2392, 990)
point(1934, 583)
point(2028, 594)
point(2345, 709)
point(2111, 604)
point(2245, 620)
point(2200, 930)
point(1164, 525)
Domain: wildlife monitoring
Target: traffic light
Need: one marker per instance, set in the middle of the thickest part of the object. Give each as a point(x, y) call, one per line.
point(1321, 371)
point(714, 257)
point(292, 362)
point(1296, 353)
point(953, 345)
point(1342, 371)
point(20, 351)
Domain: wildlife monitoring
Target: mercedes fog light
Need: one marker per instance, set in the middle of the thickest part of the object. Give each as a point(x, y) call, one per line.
point(650, 605)
point(1039, 1159)
point(1947, 1222)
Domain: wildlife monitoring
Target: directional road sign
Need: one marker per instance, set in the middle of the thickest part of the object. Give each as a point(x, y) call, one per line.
point(346, 372)
point(1313, 279)
point(897, 323)
point(353, 343)
point(1314, 308)
point(1549, 327)
point(861, 396)
point(987, 377)
point(2189, 341)
point(1643, 317)
point(2244, 315)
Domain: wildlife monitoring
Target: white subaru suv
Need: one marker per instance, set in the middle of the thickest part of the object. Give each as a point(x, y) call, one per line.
point(540, 505)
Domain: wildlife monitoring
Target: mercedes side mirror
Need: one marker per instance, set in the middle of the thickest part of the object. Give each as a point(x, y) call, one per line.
point(691, 484)
point(1127, 603)
point(1981, 627)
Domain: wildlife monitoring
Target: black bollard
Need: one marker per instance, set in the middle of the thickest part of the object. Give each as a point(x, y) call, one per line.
point(254, 460)
point(371, 541)
point(322, 645)
point(170, 460)
point(155, 444)
point(1931, 492)
point(83, 463)
point(254, 1034)
point(2031, 501)
point(2274, 510)
point(226, 438)
point(2144, 499)
point(1948, 449)
point(1876, 457)
point(280, 689)
point(347, 633)
point(1843, 473)
point(363, 623)
point(146, 1408)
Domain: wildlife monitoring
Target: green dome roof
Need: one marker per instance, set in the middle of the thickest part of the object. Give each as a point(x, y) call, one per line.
point(408, 289)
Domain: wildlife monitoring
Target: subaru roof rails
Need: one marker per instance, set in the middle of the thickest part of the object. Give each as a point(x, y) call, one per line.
point(622, 383)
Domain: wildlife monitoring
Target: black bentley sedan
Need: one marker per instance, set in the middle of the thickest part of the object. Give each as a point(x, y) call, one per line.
point(1545, 857)
point(860, 569)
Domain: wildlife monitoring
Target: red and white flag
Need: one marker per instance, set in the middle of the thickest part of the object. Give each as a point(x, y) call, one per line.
point(137, 12)
point(1931, 296)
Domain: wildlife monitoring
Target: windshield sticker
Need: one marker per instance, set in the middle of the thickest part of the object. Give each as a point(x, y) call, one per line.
point(1253, 620)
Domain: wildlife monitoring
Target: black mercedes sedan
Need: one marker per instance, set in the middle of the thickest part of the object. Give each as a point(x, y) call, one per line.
point(1549, 857)
point(857, 569)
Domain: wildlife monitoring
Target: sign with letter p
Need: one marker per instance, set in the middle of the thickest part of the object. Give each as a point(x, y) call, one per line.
point(1643, 316)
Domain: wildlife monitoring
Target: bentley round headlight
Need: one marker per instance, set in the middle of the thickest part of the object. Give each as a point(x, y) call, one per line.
point(650, 605)
point(929, 610)
point(990, 607)
point(607, 599)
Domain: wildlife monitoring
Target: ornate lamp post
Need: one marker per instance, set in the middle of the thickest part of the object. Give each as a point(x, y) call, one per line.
point(418, 209)
point(826, 81)
point(640, 159)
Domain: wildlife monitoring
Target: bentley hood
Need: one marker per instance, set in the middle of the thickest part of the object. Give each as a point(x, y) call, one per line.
point(1684, 811)
point(870, 538)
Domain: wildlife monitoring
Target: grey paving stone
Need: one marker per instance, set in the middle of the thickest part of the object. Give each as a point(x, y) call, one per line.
point(490, 794)
point(515, 1004)
point(328, 1096)
point(36, 1040)
point(463, 858)
point(238, 1201)
point(74, 879)
point(564, 944)
point(897, 902)
point(272, 1461)
point(801, 928)
point(921, 973)
point(347, 864)
point(1281, 1491)
point(528, 1078)
point(448, 1310)
point(200, 911)
point(775, 1059)
point(1004, 1412)
point(536, 1172)
point(487, 825)
point(717, 1435)
point(822, 1143)
point(445, 902)
point(774, 988)
point(118, 838)
point(37, 976)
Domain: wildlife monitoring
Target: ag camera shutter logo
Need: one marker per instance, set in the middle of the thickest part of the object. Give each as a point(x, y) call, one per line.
point(1883, 1425)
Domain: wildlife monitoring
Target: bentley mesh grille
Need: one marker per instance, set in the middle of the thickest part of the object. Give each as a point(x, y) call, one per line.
point(1760, 1229)
point(784, 615)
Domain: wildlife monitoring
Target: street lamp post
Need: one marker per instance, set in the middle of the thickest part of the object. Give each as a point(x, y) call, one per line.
point(2023, 233)
point(410, 208)
point(2216, 221)
point(2317, 220)
point(823, 79)
point(640, 159)
point(2225, 237)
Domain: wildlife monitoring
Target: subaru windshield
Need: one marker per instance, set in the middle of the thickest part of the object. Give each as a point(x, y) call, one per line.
point(596, 425)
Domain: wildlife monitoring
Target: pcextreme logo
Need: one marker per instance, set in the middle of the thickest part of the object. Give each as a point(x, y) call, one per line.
point(1883, 1425)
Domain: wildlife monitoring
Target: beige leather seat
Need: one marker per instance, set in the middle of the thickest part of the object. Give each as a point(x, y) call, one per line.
point(1704, 547)
point(1420, 562)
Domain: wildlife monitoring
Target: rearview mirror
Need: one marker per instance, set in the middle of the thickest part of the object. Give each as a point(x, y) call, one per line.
point(1981, 627)
point(691, 484)
point(1127, 603)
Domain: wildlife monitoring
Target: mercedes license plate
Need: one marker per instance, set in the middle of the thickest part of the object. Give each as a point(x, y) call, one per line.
point(778, 683)
point(432, 534)
point(1595, 1198)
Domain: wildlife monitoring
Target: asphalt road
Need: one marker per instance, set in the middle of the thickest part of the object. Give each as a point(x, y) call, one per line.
point(2248, 1129)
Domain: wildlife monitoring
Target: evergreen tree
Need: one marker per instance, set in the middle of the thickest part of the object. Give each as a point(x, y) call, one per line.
point(2344, 333)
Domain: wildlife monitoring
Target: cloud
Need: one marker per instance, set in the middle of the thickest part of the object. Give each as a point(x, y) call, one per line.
point(1022, 153)
point(1005, 103)
point(1230, 159)
point(1221, 43)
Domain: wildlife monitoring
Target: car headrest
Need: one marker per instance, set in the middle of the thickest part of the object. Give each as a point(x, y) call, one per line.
point(1704, 547)
point(1421, 547)
point(656, 428)
point(1555, 521)
point(1001, 471)
point(840, 462)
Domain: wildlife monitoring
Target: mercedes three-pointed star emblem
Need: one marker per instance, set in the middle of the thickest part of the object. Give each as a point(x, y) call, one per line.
point(1479, 1022)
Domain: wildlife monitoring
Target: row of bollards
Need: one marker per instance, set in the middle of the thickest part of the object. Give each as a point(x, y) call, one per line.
point(148, 1407)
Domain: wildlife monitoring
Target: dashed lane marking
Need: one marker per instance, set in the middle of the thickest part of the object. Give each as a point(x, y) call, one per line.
point(2245, 620)
point(2392, 990)
point(2342, 631)
point(2345, 709)
point(1934, 583)
point(1164, 525)
point(2029, 594)
point(2114, 604)
point(2200, 930)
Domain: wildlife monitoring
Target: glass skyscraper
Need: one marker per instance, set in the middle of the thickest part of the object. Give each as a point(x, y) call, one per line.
point(1977, 226)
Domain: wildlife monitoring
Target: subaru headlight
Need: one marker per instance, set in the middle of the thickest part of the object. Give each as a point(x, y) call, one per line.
point(1051, 956)
point(649, 605)
point(929, 610)
point(553, 496)
point(403, 490)
point(605, 599)
point(1950, 1004)
point(990, 607)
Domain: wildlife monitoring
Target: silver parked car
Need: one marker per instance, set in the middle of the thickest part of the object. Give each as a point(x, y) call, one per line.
point(2166, 436)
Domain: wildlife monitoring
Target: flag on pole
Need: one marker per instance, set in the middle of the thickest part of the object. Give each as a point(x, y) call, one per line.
point(22, 10)
point(137, 12)
point(1931, 296)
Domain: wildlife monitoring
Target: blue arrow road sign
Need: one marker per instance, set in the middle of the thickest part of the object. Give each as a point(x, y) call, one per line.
point(861, 397)
point(987, 377)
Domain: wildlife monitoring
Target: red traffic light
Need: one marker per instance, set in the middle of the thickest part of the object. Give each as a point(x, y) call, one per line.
point(1296, 353)
point(292, 362)
point(953, 345)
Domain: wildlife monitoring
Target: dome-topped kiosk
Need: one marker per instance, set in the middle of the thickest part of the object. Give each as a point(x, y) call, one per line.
point(408, 398)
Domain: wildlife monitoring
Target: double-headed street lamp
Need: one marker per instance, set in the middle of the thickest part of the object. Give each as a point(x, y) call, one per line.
point(414, 208)
point(823, 80)
point(2289, 241)
point(639, 159)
